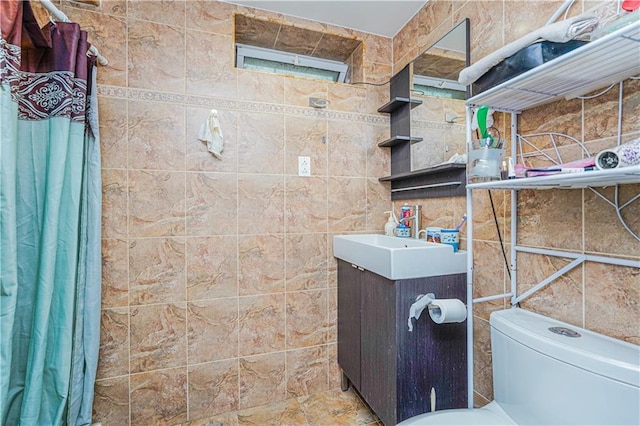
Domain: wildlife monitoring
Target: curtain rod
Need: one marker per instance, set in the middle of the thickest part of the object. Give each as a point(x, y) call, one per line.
point(56, 13)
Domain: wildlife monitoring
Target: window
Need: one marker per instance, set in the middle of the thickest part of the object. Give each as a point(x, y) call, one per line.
point(274, 61)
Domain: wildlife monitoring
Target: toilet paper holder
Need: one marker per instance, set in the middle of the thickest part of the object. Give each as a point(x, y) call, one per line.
point(440, 310)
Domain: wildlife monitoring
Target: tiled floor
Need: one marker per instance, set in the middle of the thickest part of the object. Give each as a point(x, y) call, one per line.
point(330, 408)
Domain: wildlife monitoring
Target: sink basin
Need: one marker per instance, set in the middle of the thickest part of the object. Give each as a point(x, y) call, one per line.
point(399, 258)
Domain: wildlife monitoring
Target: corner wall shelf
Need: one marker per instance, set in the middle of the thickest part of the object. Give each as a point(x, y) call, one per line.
point(397, 102)
point(398, 140)
point(604, 61)
point(444, 180)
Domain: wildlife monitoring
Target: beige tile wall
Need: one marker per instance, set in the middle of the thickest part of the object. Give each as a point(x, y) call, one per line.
point(219, 283)
point(218, 275)
point(596, 296)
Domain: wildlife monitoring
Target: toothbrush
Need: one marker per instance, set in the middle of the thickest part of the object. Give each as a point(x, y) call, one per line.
point(464, 219)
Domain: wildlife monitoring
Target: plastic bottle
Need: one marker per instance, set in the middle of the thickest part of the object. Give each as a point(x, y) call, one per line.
point(390, 226)
point(405, 212)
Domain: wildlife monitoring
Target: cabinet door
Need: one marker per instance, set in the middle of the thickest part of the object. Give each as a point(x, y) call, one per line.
point(378, 356)
point(349, 321)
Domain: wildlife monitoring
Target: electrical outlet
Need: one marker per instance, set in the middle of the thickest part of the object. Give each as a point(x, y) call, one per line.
point(304, 166)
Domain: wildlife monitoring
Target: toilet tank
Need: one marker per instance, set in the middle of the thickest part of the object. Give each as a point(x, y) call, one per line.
point(547, 372)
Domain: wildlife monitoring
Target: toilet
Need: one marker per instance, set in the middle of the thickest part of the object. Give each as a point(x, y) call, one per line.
point(546, 372)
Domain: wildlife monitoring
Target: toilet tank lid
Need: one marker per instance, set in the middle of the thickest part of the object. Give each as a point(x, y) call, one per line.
point(591, 351)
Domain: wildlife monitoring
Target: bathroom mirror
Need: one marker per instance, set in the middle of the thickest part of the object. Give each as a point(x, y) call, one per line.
point(436, 70)
point(439, 121)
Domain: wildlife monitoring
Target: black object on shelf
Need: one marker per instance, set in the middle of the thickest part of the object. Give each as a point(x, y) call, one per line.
point(528, 58)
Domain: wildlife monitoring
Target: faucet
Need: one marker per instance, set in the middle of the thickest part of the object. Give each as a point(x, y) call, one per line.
point(415, 221)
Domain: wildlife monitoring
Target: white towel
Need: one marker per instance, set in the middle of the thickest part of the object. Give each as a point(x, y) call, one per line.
point(559, 32)
point(211, 133)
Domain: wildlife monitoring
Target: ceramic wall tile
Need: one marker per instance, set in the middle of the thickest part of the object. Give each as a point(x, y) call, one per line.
point(332, 314)
point(198, 156)
point(305, 136)
point(260, 86)
point(155, 56)
point(113, 132)
point(210, 16)
point(108, 35)
point(262, 379)
point(297, 91)
point(612, 300)
point(344, 97)
point(306, 261)
point(297, 40)
point(306, 318)
point(168, 12)
point(114, 343)
point(433, 21)
point(337, 47)
point(482, 360)
point(210, 69)
point(558, 212)
point(212, 264)
point(378, 160)
point(345, 214)
point(603, 232)
point(261, 263)
point(377, 49)
point(156, 136)
point(262, 327)
point(260, 204)
point(114, 203)
point(213, 388)
point(159, 397)
point(156, 270)
point(212, 330)
point(158, 337)
point(211, 199)
point(347, 149)
point(306, 371)
point(378, 202)
point(562, 299)
point(260, 143)
point(156, 203)
point(335, 372)
point(111, 401)
point(490, 277)
point(521, 23)
point(486, 24)
point(115, 273)
point(306, 206)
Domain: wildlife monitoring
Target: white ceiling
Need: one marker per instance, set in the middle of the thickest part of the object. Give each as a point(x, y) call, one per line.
point(380, 17)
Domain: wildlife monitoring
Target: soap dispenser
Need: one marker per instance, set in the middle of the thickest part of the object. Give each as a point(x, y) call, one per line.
point(390, 226)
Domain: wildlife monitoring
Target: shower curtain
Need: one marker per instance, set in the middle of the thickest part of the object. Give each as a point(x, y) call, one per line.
point(50, 214)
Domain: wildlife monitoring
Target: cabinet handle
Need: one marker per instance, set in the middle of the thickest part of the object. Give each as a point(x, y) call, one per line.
point(360, 268)
point(354, 266)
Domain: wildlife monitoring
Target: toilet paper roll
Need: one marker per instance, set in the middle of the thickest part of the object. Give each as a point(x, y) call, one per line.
point(444, 311)
point(625, 155)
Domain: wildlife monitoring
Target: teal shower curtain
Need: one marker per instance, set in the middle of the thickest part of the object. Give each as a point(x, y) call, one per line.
point(50, 214)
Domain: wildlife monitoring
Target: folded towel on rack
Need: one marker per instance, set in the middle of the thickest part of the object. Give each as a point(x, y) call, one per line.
point(211, 133)
point(559, 32)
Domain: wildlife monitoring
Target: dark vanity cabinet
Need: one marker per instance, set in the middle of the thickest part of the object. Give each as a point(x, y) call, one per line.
point(392, 368)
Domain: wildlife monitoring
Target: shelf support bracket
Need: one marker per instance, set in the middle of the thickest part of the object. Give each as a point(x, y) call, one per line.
point(549, 279)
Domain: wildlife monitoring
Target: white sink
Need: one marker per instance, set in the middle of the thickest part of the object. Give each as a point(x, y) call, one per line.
point(399, 258)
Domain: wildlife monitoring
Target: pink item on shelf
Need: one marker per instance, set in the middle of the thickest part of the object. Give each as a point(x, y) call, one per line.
point(521, 171)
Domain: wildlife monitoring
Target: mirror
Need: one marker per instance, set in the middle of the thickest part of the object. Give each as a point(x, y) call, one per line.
point(436, 70)
point(440, 120)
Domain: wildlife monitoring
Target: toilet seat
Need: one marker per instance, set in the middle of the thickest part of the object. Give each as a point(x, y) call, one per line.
point(490, 414)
